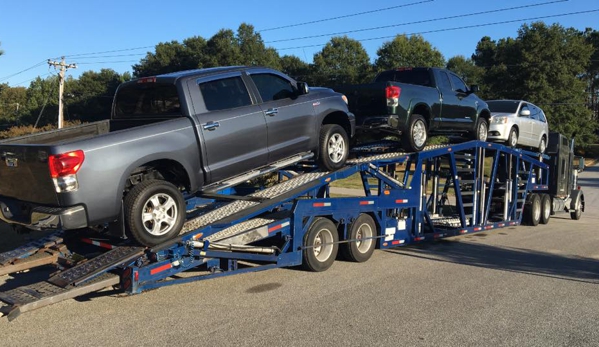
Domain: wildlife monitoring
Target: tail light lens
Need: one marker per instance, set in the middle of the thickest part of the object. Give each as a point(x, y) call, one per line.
point(393, 93)
point(65, 164)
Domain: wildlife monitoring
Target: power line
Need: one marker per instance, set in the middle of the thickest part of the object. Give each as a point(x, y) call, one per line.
point(29, 80)
point(20, 72)
point(109, 62)
point(455, 28)
point(112, 51)
point(345, 16)
point(420, 21)
point(112, 56)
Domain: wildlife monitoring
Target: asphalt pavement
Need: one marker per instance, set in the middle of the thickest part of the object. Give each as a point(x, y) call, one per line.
point(517, 286)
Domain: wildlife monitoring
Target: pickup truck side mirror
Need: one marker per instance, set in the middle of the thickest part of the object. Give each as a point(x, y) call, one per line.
point(474, 88)
point(302, 88)
point(525, 113)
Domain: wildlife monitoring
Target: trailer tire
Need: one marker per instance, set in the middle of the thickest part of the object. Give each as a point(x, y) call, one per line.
point(545, 208)
point(533, 209)
point(414, 138)
point(334, 147)
point(162, 206)
point(321, 244)
point(360, 250)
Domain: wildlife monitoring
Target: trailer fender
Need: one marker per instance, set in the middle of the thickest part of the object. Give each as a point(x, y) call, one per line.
point(577, 197)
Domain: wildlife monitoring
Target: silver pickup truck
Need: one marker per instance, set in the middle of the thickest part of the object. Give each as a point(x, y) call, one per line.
point(168, 135)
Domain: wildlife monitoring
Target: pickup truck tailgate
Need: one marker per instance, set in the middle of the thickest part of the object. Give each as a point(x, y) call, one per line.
point(24, 174)
point(366, 99)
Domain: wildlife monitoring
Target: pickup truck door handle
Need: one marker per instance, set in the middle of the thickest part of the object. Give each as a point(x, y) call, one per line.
point(211, 126)
point(272, 111)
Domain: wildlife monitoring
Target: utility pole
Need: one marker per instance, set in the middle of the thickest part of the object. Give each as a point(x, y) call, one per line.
point(63, 68)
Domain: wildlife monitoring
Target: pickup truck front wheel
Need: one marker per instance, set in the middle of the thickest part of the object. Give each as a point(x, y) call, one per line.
point(334, 147)
point(154, 212)
point(416, 134)
point(481, 131)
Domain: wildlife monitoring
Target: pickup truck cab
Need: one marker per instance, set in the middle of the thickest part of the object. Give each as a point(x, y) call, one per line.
point(417, 102)
point(171, 134)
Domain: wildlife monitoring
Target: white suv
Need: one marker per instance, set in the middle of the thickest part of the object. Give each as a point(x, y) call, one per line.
point(518, 122)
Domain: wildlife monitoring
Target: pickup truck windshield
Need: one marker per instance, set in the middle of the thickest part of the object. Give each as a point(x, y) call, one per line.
point(419, 77)
point(147, 99)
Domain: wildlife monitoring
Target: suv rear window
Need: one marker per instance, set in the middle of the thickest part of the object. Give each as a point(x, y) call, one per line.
point(419, 77)
point(147, 99)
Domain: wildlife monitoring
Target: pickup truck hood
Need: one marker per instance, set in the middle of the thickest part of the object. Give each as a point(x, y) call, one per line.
point(24, 174)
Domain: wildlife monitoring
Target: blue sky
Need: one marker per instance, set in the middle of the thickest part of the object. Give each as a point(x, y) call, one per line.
point(32, 31)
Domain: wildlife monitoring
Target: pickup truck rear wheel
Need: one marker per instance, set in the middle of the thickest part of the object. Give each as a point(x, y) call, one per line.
point(154, 212)
point(416, 134)
point(334, 147)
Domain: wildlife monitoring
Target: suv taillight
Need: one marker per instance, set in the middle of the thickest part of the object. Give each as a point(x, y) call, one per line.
point(393, 93)
point(63, 169)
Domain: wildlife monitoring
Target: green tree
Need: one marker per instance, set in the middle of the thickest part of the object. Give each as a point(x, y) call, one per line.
point(172, 56)
point(465, 68)
point(543, 65)
point(592, 74)
point(404, 51)
point(13, 101)
point(89, 98)
point(42, 102)
point(342, 61)
point(1, 52)
point(295, 67)
point(252, 49)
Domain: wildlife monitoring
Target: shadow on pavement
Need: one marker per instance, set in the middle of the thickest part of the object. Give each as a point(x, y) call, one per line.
point(507, 259)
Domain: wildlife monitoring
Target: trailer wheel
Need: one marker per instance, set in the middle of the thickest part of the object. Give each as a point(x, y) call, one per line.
point(363, 231)
point(416, 134)
point(533, 209)
point(334, 147)
point(154, 212)
point(545, 208)
point(321, 244)
point(577, 213)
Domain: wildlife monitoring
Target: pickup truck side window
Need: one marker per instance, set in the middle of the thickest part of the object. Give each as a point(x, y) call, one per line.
point(272, 87)
point(444, 82)
point(458, 84)
point(224, 94)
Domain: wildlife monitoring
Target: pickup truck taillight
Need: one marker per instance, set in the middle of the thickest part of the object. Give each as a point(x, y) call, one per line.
point(393, 93)
point(63, 170)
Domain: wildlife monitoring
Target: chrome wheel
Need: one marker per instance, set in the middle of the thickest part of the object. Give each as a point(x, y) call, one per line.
point(482, 130)
point(159, 214)
point(419, 133)
point(323, 245)
point(336, 148)
point(513, 138)
point(364, 238)
point(542, 145)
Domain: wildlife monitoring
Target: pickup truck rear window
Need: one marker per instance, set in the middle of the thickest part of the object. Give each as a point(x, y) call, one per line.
point(147, 99)
point(418, 77)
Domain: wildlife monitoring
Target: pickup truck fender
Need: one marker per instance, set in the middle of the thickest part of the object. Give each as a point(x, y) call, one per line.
point(418, 106)
point(191, 179)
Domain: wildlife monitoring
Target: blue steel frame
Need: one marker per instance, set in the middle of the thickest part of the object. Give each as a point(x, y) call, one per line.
point(400, 207)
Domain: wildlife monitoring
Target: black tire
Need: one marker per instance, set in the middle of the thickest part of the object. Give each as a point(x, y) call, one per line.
point(512, 140)
point(481, 130)
point(532, 209)
point(321, 244)
point(360, 251)
point(545, 208)
point(164, 221)
point(333, 147)
point(414, 137)
point(577, 212)
point(542, 145)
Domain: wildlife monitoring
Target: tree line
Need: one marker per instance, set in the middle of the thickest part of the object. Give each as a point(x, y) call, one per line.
point(554, 67)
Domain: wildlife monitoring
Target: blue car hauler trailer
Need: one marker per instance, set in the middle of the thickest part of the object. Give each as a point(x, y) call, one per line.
point(408, 198)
